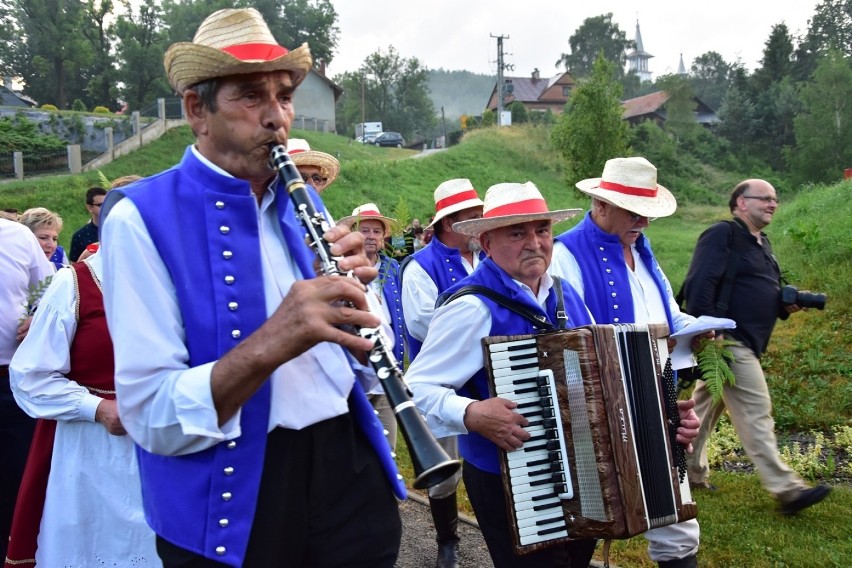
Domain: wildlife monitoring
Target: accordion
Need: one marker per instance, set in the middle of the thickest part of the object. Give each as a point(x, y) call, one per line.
point(602, 461)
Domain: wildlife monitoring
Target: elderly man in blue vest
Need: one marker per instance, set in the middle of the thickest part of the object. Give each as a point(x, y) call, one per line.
point(449, 257)
point(448, 377)
point(385, 292)
point(256, 443)
point(609, 261)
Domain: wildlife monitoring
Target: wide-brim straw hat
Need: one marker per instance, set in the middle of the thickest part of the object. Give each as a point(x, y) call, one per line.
point(232, 42)
point(368, 211)
point(510, 204)
point(631, 184)
point(453, 196)
point(302, 155)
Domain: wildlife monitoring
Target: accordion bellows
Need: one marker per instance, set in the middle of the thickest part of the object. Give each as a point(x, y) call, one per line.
point(613, 469)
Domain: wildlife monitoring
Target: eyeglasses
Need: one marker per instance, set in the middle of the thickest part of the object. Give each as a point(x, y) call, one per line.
point(97, 204)
point(316, 178)
point(764, 198)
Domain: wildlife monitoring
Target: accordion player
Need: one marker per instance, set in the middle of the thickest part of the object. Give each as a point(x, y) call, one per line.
point(602, 461)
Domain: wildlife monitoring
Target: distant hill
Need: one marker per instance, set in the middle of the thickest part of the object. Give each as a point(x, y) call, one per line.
point(460, 92)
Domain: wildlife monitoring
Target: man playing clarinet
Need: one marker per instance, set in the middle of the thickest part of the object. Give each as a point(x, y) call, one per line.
point(256, 443)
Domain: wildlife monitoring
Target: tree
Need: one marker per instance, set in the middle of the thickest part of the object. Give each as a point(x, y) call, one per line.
point(710, 77)
point(304, 21)
point(519, 112)
point(771, 90)
point(824, 127)
point(737, 114)
point(829, 29)
point(140, 54)
point(53, 51)
point(101, 77)
point(596, 35)
point(591, 129)
point(387, 88)
point(680, 106)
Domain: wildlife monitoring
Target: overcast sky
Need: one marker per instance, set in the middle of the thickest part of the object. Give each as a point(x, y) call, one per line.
point(456, 34)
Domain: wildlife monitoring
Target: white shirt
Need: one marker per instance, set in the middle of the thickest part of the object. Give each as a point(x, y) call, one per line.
point(419, 294)
point(167, 406)
point(38, 369)
point(22, 266)
point(647, 304)
point(451, 355)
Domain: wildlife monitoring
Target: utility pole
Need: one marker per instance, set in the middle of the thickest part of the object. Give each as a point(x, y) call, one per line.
point(443, 129)
point(500, 84)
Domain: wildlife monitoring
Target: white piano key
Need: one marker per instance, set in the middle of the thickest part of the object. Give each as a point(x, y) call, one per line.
point(505, 355)
point(535, 539)
point(506, 345)
point(537, 529)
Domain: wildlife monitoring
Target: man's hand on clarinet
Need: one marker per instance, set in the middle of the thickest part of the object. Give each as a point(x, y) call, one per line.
point(350, 246)
point(496, 419)
point(689, 423)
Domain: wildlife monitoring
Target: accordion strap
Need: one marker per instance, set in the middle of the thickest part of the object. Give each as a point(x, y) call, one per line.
point(508, 303)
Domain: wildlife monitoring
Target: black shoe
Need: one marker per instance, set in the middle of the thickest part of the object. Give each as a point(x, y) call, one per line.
point(448, 555)
point(805, 499)
point(688, 562)
point(702, 486)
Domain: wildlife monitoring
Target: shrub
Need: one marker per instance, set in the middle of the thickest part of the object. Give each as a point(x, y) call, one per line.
point(101, 110)
point(48, 107)
point(78, 106)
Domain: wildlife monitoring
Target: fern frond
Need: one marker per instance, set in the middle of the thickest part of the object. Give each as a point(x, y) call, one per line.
point(714, 363)
point(103, 180)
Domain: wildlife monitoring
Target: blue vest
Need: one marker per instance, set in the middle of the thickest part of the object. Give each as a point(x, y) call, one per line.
point(205, 502)
point(474, 447)
point(392, 292)
point(606, 282)
point(445, 267)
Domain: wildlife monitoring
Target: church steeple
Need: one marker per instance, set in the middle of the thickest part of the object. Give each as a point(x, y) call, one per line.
point(638, 58)
point(681, 68)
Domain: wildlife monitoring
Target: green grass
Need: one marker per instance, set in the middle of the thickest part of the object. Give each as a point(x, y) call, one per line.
point(808, 364)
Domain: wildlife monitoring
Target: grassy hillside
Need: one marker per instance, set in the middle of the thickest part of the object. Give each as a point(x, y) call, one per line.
point(808, 362)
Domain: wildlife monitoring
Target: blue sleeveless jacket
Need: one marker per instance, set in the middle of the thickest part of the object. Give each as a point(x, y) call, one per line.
point(205, 502)
point(392, 292)
point(445, 267)
point(475, 448)
point(605, 280)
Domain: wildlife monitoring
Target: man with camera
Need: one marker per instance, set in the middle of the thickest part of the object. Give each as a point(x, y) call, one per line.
point(751, 292)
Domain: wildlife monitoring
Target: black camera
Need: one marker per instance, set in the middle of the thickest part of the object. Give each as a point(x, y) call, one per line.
point(792, 295)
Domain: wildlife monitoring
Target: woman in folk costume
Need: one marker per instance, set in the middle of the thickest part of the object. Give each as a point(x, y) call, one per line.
point(80, 501)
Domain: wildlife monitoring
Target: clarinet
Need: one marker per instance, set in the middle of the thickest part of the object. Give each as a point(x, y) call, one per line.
point(431, 463)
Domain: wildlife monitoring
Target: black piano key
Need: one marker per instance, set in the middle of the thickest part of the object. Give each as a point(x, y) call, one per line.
point(529, 404)
point(526, 390)
point(537, 462)
point(547, 506)
point(550, 531)
point(517, 367)
point(543, 497)
point(560, 488)
point(549, 521)
point(524, 381)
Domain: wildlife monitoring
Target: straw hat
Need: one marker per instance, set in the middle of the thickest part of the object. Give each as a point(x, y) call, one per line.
point(366, 212)
point(302, 155)
point(453, 196)
point(509, 204)
point(232, 42)
point(631, 183)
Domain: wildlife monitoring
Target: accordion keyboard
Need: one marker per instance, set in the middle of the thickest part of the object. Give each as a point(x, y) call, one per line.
point(538, 471)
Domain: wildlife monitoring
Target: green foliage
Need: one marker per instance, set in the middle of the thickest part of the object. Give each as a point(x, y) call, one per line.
point(78, 106)
point(824, 127)
point(710, 78)
point(595, 36)
point(811, 461)
point(714, 361)
point(519, 112)
point(34, 294)
point(101, 110)
point(591, 129)
point(387, 88)
point(17, 134)
point(48, 107)
point(488, 118)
